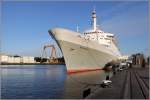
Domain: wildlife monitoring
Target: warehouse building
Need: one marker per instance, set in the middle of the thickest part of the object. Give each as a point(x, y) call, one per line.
point(16, 59)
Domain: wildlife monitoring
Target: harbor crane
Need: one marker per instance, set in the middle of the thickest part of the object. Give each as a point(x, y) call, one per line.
point(53, 54)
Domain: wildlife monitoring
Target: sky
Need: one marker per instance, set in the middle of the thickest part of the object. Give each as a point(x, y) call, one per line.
point(25, 24)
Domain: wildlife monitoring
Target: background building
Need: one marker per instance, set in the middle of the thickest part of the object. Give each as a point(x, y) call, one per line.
point(16, 59)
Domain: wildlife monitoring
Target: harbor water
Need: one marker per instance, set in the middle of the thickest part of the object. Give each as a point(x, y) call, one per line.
point(45, 82)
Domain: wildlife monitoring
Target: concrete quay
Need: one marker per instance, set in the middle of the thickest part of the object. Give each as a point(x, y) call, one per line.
point(132, 83)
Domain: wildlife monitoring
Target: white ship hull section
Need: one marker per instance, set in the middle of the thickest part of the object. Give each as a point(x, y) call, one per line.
point(80, 53)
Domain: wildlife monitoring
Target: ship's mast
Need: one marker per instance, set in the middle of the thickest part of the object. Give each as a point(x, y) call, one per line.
point(94, 19)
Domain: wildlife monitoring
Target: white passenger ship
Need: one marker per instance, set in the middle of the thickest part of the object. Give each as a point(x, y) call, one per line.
point(86, 51)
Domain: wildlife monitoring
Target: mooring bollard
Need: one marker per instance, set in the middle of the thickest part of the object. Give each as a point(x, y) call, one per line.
point(86, 92)
point(114, 72)
point(107, 77)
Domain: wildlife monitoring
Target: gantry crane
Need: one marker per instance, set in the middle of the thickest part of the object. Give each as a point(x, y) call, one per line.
point(53, 55)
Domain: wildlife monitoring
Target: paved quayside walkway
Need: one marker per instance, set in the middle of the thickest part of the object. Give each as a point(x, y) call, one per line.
point(132, 83)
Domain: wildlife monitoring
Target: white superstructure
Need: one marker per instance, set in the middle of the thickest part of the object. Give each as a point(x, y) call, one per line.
point(88, 51)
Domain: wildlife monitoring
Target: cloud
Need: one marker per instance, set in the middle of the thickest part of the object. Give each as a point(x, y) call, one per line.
point(132, 21)
point(130, 26)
